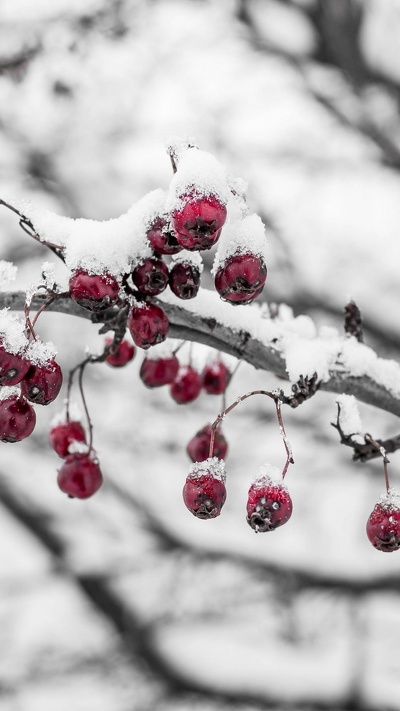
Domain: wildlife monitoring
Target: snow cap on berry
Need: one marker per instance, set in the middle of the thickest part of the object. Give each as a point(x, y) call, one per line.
point(212, 465)
point(74, 412)
point(193, 259)
point(390, 500)
point(268, 474)
point(200, 174)
point(77, 447)
point(9, 391)
point(246, 236)
point(40, 352)
point(12, 332)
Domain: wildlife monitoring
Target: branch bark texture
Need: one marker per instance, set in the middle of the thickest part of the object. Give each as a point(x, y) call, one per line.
point(216, 331)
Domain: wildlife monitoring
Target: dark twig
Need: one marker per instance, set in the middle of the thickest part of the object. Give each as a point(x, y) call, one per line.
point(353, 321)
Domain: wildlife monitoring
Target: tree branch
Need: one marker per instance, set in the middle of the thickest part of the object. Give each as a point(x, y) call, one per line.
point(212, 324)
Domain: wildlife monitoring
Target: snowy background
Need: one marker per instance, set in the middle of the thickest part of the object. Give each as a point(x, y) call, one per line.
point(126, 602)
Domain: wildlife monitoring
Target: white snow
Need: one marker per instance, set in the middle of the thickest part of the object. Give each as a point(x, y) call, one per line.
point(212, 466)
point(246, 236)
point(40, 352)
point(12, 332)
point(349, 417)
point(267, 474)
point(199, 173)
point(193, 259)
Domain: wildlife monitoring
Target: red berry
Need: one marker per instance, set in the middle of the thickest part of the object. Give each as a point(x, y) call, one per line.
point(198, 223)
point(151, 276)
point(160, 371)
point(241, 279)
point(184, 280)
point(42, 382)
point(216, 377)
point(124, 353)
point(162, 238)
point(268, 506)
point(95, 292)
point(204, 493)
point(63, 434)
point(187, 385)
point(383, 525)
point(79, 476)
point(17, 419)
point(13, 367)
point(148, 324)
point(198, 448)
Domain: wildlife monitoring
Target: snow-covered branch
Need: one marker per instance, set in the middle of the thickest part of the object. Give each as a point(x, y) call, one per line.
point(287, 346)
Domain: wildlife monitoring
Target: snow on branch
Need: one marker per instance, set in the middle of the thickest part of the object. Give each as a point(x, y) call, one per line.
point(274, 341)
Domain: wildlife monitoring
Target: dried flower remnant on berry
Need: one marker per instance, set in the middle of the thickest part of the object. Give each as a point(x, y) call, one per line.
point(269, 504)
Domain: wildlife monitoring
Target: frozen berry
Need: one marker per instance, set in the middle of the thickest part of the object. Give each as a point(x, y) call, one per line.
point(199, 221)
point(187, 385)
point(151, 276)
point(204, 493)
point(155, 372)
point(148, 324)
point(42, 382)
point(184, 280)
point(383, 525)
point(162, 238)
point(122, 354)
point(268, 506)
point(95, 292)
point(17, 418)
point(216, 377)
point(63, 434)
point(241, 279)
point(80, 476)
point(13, 367)
point(198, 448)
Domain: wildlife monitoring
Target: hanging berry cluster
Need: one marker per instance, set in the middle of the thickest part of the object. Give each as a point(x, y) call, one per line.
point(116, 269)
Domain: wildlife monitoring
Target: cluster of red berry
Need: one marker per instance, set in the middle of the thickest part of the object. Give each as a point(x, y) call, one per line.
point(195, 227)
point(26, 376)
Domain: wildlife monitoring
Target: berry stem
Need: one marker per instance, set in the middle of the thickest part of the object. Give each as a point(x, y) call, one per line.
point(28, 227)
point(382, 451)
point(276, 396)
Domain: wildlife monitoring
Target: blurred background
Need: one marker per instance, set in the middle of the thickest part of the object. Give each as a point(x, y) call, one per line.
point(126, 602)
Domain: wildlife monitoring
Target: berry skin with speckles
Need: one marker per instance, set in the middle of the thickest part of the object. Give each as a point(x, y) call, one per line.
point(42, 382)
point(95, 292)
point(151, 276)
point(122, 355)
point(216, 377)
point(17, 419)
point(184, 280)
point(198, 448)
point(148, 324)
point(13, 367)
point(204, 494)
point(241, 279)
point(157, 372)
point(61, 436)
point(186, 386)
point(80, 476)
point(268, 506)
point(383, 528)
point(162, 238)
point(198, 223)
